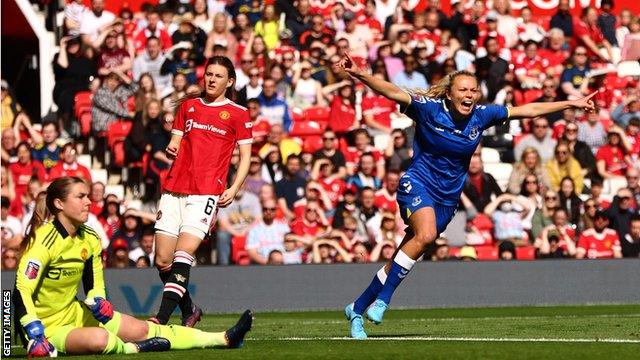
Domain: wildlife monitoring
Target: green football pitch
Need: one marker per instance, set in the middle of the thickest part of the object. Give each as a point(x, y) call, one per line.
point(566, 332)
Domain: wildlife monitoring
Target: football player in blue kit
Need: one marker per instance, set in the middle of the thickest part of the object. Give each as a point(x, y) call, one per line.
point(449, 124)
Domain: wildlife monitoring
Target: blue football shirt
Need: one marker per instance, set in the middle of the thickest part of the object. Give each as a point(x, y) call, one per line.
point(443, 146)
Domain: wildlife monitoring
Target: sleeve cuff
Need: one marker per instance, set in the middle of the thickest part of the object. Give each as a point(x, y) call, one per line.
point(245, 141)
point(177, 132)
point(27, 319)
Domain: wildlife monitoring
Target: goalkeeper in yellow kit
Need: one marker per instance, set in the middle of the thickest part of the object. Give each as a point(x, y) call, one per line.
point(55, 257)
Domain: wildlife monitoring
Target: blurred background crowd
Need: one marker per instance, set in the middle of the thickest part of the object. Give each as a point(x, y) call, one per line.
point(328, 152)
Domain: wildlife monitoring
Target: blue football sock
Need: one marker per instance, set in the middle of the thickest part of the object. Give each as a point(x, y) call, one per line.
point(400, 268)
point(370, 293)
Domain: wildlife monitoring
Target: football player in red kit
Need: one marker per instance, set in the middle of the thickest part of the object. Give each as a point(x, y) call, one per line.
point(205, 132)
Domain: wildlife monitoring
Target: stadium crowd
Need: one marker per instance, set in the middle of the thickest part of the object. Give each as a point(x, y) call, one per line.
point(328, 152)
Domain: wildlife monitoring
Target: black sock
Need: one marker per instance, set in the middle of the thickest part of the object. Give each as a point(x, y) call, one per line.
point(185, 304)
point(176, 285)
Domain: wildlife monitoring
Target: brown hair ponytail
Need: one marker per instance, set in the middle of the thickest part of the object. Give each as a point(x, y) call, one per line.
point(40, 216)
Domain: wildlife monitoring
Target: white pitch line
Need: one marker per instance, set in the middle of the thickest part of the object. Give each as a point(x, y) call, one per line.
point(485, 318)
point(466, 339)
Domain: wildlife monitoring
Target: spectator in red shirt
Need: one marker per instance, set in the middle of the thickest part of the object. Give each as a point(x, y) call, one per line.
point(386, 197)
point(377, 110)
point(317, 32)
point(324, 173)
point(312, 224)
point(362, 141)
point(587, 33)
point(556, 52)
point(611, 158)
point(152, 29)
point(599, 242)
point(69, 165)
point(97, 198)
point(343, 106)
point(112, 58)
point(25, 168)
point(530, 70)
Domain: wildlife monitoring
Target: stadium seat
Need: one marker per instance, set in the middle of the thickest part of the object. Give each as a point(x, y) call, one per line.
point(454, 252)
point(489, 155)
point(487, 252)
point(312, 143)
point(85, 123)
point(116, 133)
point(526, 252)
point(307, 128)
point(99, 175)
point(238, 252)
point(317, 113)
point(83, 100)
point(117, 190)
point(501, 172)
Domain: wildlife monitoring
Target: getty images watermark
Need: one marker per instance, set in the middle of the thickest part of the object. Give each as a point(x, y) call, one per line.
point(6, 323)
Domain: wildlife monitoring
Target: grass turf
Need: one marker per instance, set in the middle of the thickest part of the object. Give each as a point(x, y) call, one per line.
point(409, 334)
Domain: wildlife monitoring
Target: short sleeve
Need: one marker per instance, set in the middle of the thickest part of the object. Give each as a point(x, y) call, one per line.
point(253, 242)
point(493, 115)
point(565, 76)
point(244, 127)
point(422, 107)
point(179, 121)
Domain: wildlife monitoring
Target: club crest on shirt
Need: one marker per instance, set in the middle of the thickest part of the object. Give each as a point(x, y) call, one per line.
point(159, 215)
point(474, 133)
point(224, 115)
point(32, 270)
point(84, 254)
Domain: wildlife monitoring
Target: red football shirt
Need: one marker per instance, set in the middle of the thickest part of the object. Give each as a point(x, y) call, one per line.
point(599, 245)
point(334, 187)
point(379, 107)
point(386, 202)
point(22, 174)
point(61, 169)
point(580, 28)
point(342, 116)
point(209, 136)
point(613, 157)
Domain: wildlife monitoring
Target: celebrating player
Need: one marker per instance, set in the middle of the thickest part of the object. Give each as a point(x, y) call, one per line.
point(449, 126)
point(56, 255)
point(205, 132)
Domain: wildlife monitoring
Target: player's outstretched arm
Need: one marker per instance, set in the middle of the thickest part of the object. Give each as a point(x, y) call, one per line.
point(539, 108)
point(380, 86)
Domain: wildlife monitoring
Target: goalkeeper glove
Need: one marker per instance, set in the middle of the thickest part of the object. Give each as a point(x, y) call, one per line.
point(38, 345)
point(101, 308)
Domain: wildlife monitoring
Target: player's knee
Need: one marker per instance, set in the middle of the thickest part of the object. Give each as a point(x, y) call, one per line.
point(425, 237)
point(162, 262)
point(98, 343)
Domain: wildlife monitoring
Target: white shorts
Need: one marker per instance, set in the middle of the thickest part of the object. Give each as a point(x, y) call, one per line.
point(194, 214)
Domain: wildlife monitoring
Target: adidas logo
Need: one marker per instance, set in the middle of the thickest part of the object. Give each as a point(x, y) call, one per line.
point(191, 109)
point(204, 221)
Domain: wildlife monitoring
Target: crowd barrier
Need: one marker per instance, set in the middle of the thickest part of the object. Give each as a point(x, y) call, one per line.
point(430, 285)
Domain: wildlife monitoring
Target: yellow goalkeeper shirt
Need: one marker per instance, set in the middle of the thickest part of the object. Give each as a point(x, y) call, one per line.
point(50, 271)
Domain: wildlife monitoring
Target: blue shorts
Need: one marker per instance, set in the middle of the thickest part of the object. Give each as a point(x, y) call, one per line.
point(413, 196)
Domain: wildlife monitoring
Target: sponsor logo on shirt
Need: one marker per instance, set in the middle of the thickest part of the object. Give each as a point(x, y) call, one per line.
point(192, 124)
point(32, 270)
